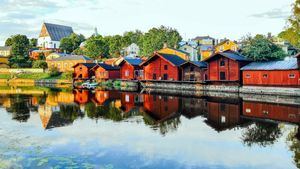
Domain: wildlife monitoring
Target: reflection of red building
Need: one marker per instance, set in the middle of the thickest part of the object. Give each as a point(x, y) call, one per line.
point(81, 96)
point(285, 113)
point(222, 115)
point(161, 108)
point(193, 107)
point(102, 97)
point(130, 101)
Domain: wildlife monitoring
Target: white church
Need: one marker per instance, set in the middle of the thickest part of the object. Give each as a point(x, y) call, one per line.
point(51, 34)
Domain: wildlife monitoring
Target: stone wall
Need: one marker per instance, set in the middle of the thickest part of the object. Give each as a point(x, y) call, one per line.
point(270, 90)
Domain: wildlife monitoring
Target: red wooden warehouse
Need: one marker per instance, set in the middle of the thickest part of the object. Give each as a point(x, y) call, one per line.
point(130, 69)
point(225, 67)
point(194, 71)
point(105, 72)
point(163, 67)
point(83, 70)
point(272, 73)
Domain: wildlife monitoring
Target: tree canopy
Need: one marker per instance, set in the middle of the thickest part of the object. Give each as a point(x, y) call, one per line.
point(71, 43)
point(96, 47)
point(292, 30)
point(260, 48)
point(20, 50)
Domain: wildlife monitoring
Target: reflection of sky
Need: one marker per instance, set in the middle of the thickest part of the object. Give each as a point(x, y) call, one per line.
point(134, 145)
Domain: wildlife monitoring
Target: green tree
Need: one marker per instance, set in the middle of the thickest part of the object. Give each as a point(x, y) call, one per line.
point(132, 37)
point(96, 47)
point(260, 48)
point(33, 43)
point(155, 38)
point(8, 42)
point(71, 43)
point(20, 51)
point(115, 45)
point(39, 64)
point(292, 30)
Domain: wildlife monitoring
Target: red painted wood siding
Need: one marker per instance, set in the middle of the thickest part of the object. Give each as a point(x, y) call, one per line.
point(157, 65)
point(231, 69)
point(286, 113)
point(82, 96)
point(274, 78)
point(127, 67)
point(81, 71)
point(107, 74)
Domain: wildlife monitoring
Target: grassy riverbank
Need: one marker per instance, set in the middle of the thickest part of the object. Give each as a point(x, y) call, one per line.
point(37, 76)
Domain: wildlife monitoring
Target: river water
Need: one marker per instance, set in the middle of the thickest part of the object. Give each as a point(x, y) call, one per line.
point(64, 128)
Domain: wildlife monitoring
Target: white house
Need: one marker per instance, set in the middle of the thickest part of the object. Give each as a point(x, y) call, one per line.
point(132, 50)
point(51, 34)
point(192, 51)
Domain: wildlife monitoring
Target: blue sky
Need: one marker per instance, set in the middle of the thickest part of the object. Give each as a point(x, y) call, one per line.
point(218, 18)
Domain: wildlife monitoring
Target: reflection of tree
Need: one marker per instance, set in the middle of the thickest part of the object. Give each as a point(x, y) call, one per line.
point(105, 112)
point(262, 134)
point(70, 111)
point(19, 108)
point(42, 99)
point(294, 145)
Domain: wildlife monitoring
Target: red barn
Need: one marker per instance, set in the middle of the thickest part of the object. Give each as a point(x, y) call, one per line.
point(163, 67)
point(225, 67)
point(272, 73)
point(105, 72)
point(130, 69)
point(83, 70)
point(194, 71)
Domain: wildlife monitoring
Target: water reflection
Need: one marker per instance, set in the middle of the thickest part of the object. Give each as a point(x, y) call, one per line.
point(260, 123)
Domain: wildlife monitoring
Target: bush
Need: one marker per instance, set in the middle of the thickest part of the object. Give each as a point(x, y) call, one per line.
point(53, 71)
point(39, 64)
point(67, 76)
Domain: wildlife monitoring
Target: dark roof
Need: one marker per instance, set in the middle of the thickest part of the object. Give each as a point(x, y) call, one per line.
point(231, 55)
point(108, 67)
point(89, 65)
point(174, 59)
point(57, 32)
point(288, 64)
point(134, 61)
point(72, 57)
point(200, 64)
point(202, 37)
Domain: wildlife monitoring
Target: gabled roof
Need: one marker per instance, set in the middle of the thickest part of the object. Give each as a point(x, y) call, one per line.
point(203, 37)
point(89, 65)
point(231, 55)
point(133, 61)
point(288, 64)
point(199, 64)
point(71, 57)
point(57, 32)
point(108, 67)
point(173, 59)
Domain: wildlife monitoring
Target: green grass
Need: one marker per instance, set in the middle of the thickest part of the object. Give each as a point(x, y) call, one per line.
point(33, 76)
point(4, 76)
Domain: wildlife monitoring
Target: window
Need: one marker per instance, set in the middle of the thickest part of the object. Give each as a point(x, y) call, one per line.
point(154, 76)
point(165, 77)
point(248, 76)
point(222, 76)
point(127, 98)
point(223, 119)
point(292, 76)
point(165, 67)
point(127, 73)
point(265, 76)
point(222, 63)
point(192, 69)
point(192, 78)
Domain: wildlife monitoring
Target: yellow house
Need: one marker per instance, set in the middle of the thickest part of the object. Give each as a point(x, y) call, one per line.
point(5, 52)
point(226, 45)
point(206, 51)
point(172, 51)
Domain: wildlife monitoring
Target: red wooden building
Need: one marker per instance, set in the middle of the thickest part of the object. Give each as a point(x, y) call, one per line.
point(163, 67)
point(105, 72)
point(130, 69)
point(194, 71)
point(81, 96)
point(272, 73)
point(83, 70)
point(225, 67)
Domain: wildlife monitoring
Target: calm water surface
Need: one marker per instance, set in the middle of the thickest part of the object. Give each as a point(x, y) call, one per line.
point(52, 128)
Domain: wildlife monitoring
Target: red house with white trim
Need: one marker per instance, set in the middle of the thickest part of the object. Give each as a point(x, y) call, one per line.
point(130, 69)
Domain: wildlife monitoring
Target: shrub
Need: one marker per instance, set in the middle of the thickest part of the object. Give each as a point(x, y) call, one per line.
point(53, 71)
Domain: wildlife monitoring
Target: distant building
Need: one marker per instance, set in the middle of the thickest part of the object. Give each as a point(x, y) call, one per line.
point(171, 51)
point(35, 54)
point(225, 45)
point(204, 40)
point(132, 50)
point(5, 52)
point(51, 34)
point(206, 51)
point(289, 49)
point(192, 50)
point(65, 63)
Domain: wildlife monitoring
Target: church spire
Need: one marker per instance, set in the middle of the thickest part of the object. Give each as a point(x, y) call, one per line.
point(96, 32)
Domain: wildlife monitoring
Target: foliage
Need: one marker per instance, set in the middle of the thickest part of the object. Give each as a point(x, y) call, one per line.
point(115, 45)
point(33, 42)
point(292, 30)
point(33, 76)
point(19, 108)
point(66, 76)
point(5, 76)
point(155, 38)
point(71, 43)
point(96, 47)
point(53, 71)
point(294, 145)
point(40, 64)
point(20, 49)
point(78, 51)
point(8, 42)
point(262, 134)
point(260, 48)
